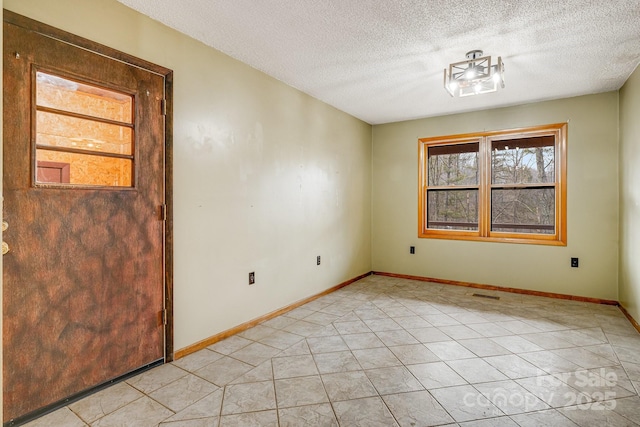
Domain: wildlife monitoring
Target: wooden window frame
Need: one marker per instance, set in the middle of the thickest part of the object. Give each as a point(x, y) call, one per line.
point(485, 139)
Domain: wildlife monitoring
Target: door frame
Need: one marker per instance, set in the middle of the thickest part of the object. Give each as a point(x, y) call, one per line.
point(81, 42)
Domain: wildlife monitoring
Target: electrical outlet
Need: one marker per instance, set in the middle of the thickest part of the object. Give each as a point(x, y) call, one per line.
point(318, 260)
point(252, 278)
point(574, 262)
point(412, 249)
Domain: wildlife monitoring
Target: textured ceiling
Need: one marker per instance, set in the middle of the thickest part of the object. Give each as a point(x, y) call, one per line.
point(382, 60)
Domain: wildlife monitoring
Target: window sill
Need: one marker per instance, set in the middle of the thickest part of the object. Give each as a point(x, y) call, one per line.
point(538, 240)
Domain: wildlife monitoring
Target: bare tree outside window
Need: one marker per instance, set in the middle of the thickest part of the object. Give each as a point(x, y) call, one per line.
point(453, 187)
point(529, 165)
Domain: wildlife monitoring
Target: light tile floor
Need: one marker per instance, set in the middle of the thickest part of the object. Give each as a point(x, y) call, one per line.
point(394, 352)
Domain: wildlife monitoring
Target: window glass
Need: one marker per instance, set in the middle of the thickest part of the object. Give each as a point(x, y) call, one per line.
point(505, 186)
point(453, 209)
point(57, 130)
point(526, 210)
point(453, 165)
point(71, 96)
point(85, 169)
point(522, 161)
point(84, 134)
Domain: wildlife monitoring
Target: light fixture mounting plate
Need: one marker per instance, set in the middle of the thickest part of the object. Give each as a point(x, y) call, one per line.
point(474, 54)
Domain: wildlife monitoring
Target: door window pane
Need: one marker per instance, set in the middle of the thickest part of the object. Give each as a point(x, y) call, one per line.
point(68, 95)
point(84, 134)
point(57, 130)
point(85, 169)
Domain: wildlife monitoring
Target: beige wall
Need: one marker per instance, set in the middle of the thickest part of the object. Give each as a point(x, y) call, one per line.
point(630, 195)
point(592, 212)
point(266, 177)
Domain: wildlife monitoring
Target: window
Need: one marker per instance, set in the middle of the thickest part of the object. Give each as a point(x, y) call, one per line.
point(496, 186)
point(84, 134)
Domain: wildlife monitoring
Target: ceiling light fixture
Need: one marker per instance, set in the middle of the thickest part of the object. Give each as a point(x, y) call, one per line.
point(474, 76)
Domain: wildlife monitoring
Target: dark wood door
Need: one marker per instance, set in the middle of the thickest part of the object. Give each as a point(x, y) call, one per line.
point(84, 279)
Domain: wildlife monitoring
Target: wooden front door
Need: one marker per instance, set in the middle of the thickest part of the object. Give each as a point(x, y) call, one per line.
point(84, 276)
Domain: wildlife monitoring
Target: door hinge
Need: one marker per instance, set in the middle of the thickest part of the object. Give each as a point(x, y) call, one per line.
point(163, 212)
point(164, 316)
point(163, 107)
